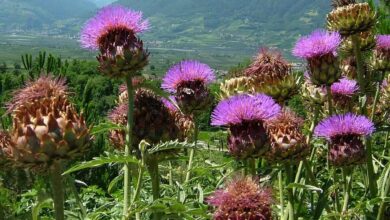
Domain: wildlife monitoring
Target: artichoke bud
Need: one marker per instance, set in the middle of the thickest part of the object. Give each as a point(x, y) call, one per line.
point(367, 43)
point(247, 140)
point(324, 70)
point(312, 94)
point(279, 89)
point(47, 130)
point(346, 151)
point(341, 3)
point(287, 140)
point(351, 19)
point(121, 53)
point(193, 96)
point(380, 60)
point(235, 86)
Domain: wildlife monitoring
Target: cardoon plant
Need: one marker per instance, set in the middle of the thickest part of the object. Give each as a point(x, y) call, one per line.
point(113, 31)
point(344, 134)
point(320, 51)
point(47, 131)
point(245, 116)
point(242, 199)
point(188, 81)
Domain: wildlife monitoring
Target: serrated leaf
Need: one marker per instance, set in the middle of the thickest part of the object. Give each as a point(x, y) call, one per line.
point(106, 126)
point(99, 161)
point(114, 182)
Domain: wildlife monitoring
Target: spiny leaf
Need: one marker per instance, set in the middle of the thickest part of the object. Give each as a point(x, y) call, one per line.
point(106, 126)
point(99, 161)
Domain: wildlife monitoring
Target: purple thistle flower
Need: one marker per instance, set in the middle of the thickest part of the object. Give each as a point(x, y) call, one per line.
point(186, 71)
point(383, 42)
point(344, 125)
point(109, 19)
point(317, 44)
point(345, 87)
point(244, 107)
point(245, 116)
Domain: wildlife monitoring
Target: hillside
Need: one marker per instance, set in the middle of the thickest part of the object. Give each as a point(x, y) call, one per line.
point(38, 15)
point(222, 24)
point(101, 3)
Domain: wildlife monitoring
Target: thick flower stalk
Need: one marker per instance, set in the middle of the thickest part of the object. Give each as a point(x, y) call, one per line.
point(188, 81)
point(245, 116)
point(242, 199)
point(47, 131)
point(351, 19)
point(288, 144)
point(344, 134)
point(343, 93)
point(271, 74)
point(381, 57)
point(320, 51)
point(113, 31)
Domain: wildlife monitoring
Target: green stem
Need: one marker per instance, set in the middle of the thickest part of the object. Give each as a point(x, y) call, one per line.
point(329, 96)
point(192, 153)
point(370, 169)
point(385, 145)
point(155, 177)
point(290, 194)
point(139, 183)
point(336, 193)
point(376, 98)
point(383, 204)
point(359, 63)
point(77, 197)
point(280, 180)
point(170, 174)
point(308, 140)
point(347, 176)
point(57, 190)
point(129, 145)
point(252, 166)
